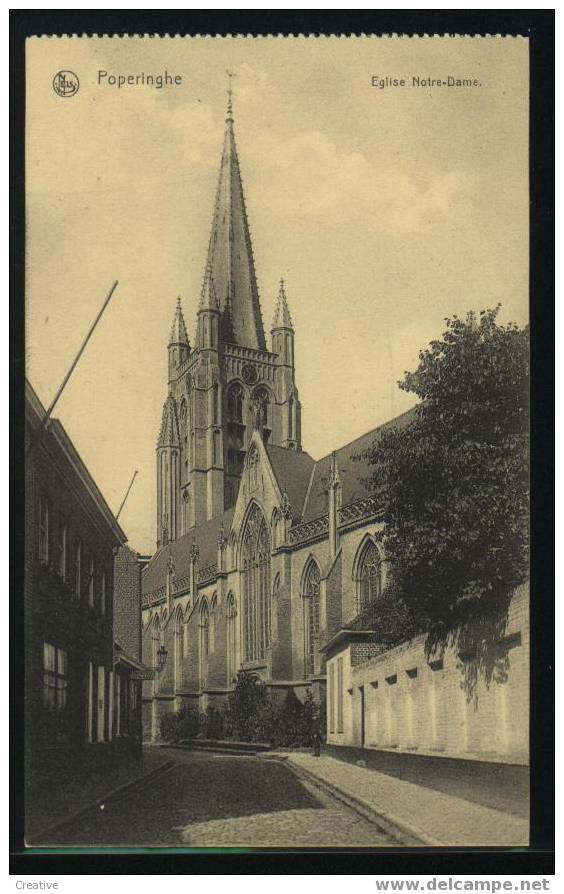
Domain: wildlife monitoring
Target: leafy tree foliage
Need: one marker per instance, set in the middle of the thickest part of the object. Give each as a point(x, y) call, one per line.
point(454, 481)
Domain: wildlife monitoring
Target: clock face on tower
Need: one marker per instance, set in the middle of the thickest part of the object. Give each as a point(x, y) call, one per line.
point(249, 374)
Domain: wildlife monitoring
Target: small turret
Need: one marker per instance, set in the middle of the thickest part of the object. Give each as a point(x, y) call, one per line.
point(282, 330)
point(178, 344)
point(208, 314)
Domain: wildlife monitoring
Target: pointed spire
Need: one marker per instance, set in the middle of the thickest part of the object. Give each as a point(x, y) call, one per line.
point(282, 318)
point(230, 264)
point(208, 296)
point(178, 333)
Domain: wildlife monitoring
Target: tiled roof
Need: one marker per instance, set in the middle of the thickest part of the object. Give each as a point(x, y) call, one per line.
point(293, 470)
point(205, 536)
point(351, 471)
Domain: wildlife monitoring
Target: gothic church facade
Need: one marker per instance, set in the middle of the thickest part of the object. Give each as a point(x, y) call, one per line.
point(265, 557)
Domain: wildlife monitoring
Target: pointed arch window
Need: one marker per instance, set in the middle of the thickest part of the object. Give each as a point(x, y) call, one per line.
point(235, 404)
point(204, 644)
point(369, 577)
point(256, 586)
point(231, 638)
point(291, 418)
point(311, 589)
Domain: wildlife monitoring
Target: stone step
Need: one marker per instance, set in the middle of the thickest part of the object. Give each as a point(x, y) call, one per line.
point(223, 746)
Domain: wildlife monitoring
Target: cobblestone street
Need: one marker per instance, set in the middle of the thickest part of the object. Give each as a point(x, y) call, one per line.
point(210, 800)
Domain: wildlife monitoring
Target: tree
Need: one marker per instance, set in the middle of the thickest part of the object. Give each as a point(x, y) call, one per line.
point(454, 481)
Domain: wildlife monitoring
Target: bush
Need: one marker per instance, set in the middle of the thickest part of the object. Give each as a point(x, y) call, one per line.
point(168, 725)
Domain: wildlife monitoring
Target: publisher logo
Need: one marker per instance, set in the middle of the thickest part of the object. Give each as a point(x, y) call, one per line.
point(65, 83)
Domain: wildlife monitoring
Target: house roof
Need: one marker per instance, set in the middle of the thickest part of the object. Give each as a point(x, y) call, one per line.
point(54, 436)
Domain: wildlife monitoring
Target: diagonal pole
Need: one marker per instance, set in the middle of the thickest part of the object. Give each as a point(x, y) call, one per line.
point(71, 370)
point(126, 494)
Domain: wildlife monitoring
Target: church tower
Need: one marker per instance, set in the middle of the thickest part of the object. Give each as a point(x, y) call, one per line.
point(229, 383)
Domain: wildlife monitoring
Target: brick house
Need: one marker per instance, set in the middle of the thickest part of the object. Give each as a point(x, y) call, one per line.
point(71, 536)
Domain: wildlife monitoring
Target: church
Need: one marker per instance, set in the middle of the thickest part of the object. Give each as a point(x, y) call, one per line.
point(265, 556)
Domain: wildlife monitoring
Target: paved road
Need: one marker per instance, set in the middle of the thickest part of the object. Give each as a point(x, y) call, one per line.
point(221, 801)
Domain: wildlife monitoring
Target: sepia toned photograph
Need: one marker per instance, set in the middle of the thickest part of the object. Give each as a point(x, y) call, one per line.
point(277, 460)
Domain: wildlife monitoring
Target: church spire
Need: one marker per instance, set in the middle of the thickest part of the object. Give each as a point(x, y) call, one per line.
point(230, 264)
point(282, 318)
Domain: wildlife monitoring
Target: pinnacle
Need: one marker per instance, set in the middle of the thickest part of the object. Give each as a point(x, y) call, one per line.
point(282, 318)
point(178, 333)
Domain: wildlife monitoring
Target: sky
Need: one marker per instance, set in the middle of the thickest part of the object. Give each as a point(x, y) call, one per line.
point(385, 210)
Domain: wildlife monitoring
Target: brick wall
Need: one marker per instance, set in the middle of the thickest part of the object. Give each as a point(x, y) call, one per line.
point(127, 601)
point(449, 704)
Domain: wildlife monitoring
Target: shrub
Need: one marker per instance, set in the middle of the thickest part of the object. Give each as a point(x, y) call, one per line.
point(188, 722)
point(168, 725)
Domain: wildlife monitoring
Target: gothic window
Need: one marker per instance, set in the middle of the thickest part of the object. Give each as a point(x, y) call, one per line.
point(235, 404)
point(156, 638)
point(229, 494)
point(253, 467)
point(185, 511)
point(231, 638)
point(291, 418)
point(369, 577)
point(183, 418)
point(256, 586)
point(310, 592)
point(204, 644)
point(213, 619)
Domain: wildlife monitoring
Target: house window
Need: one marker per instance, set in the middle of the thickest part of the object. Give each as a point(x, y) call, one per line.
point(103, 593)
point(78, 568)
point(256, 586)
point(63, 535)
point(91, 574)
point(310, 594)
point(55, 680)
point(340, 695)
point(44, 520)
point(369, 582)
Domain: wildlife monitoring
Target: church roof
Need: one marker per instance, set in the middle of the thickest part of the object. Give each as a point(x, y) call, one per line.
point(169, 436)
point(351, 471)
point(230, 265)
point(178, 333)
point(282, 318)
point(205, 536)
point(293, 469)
